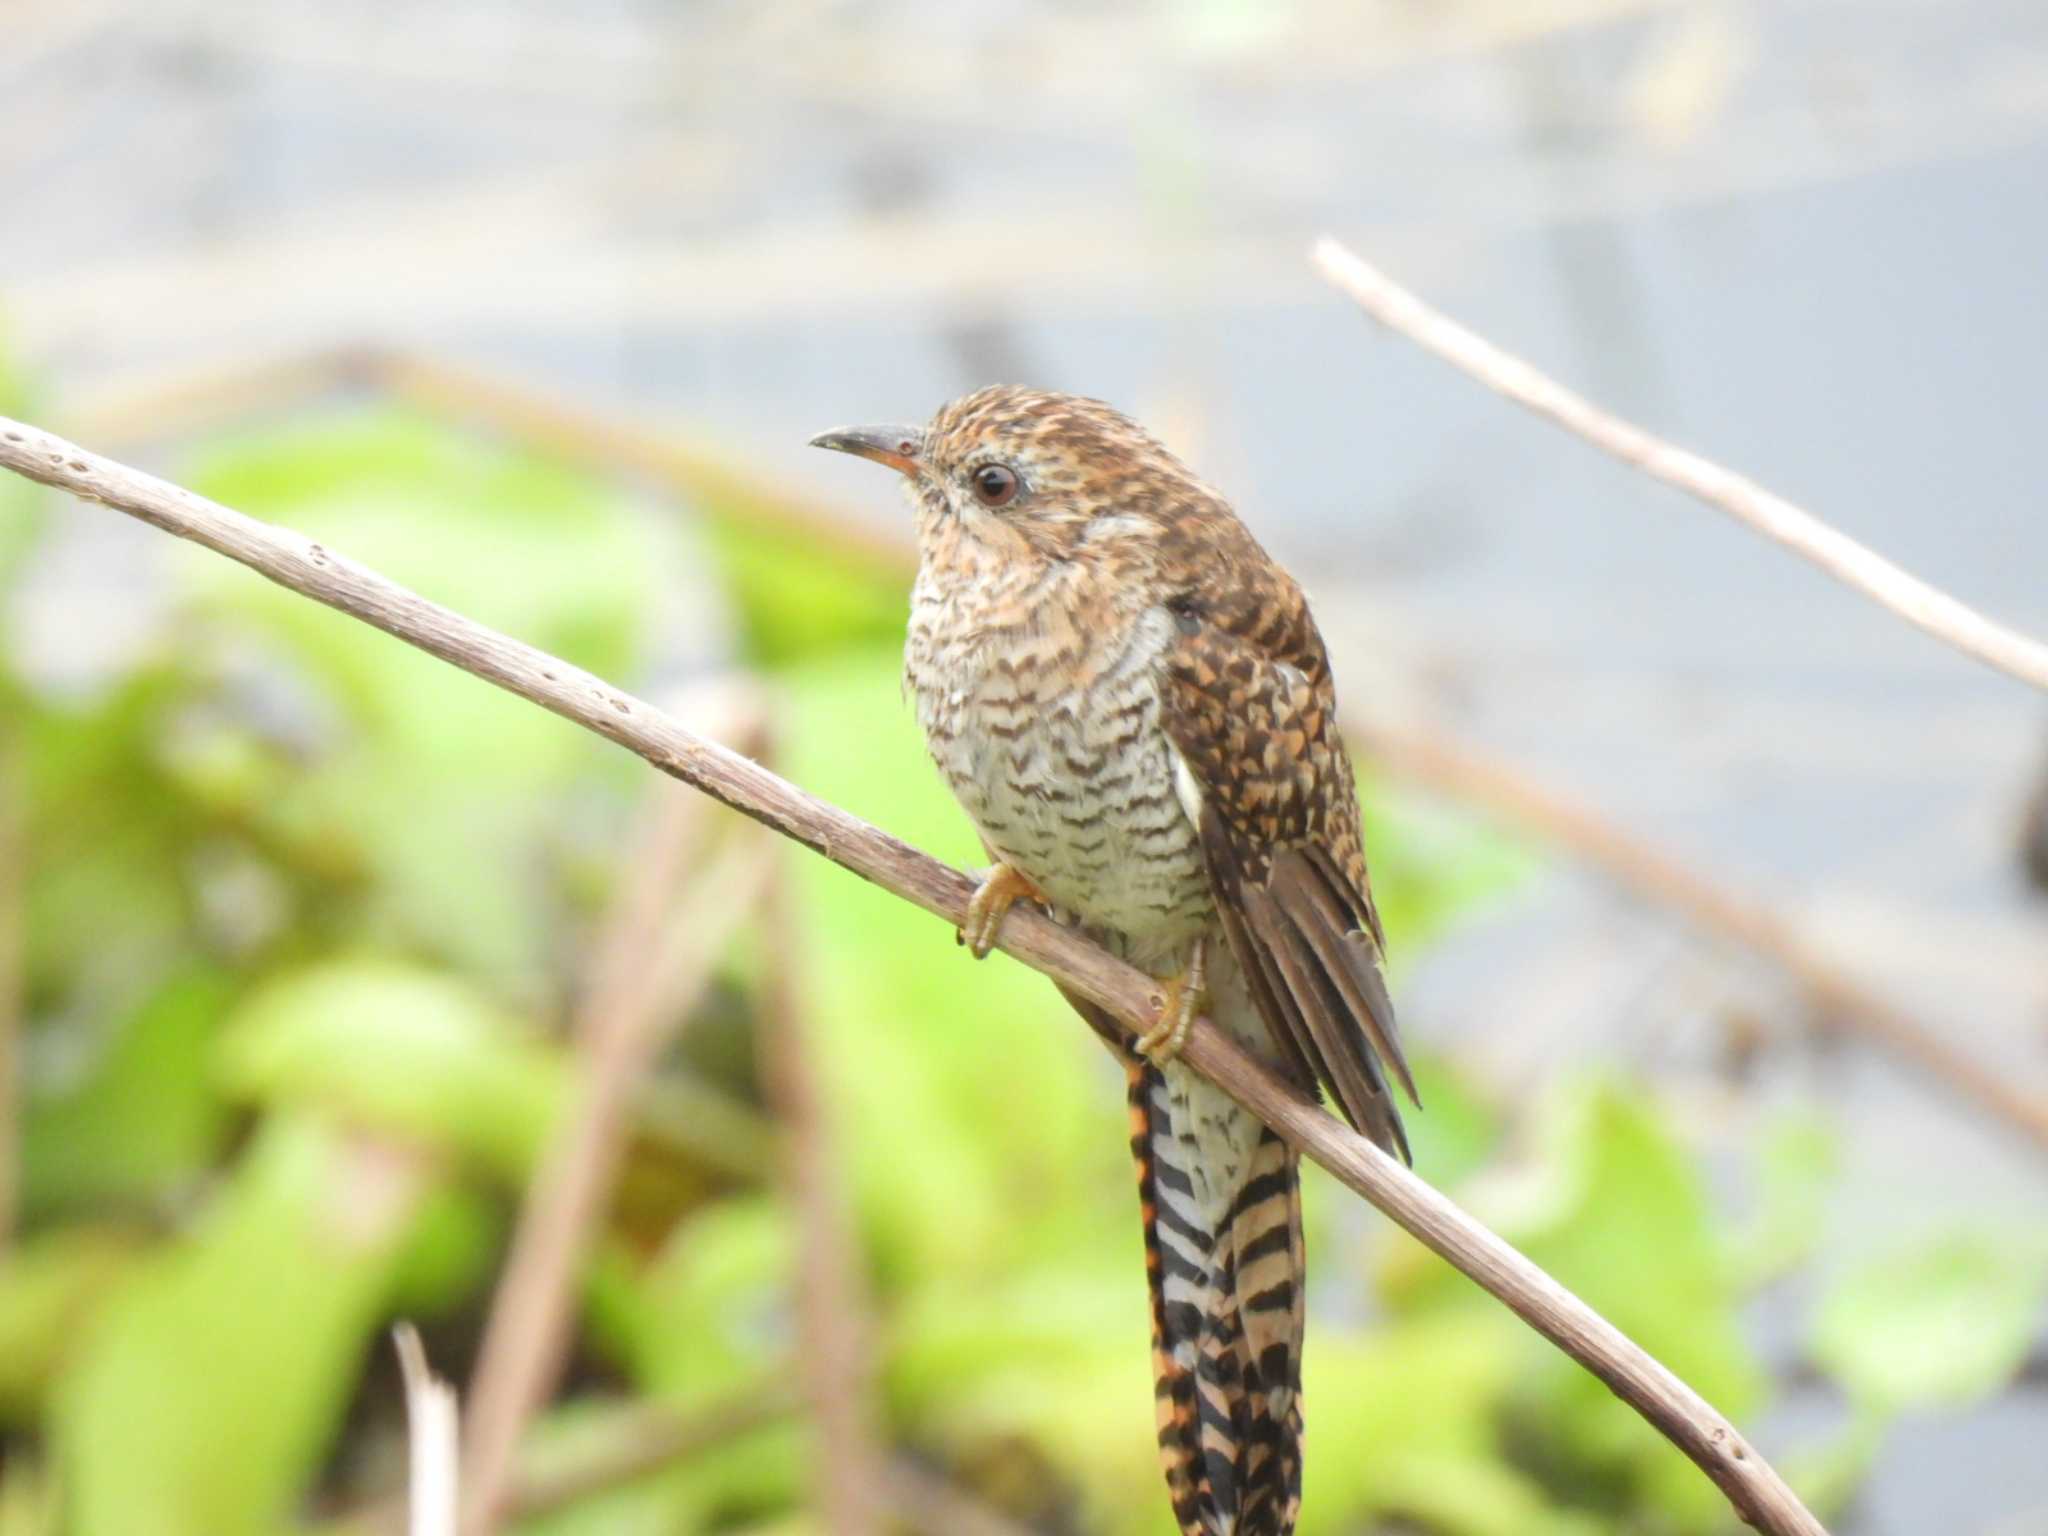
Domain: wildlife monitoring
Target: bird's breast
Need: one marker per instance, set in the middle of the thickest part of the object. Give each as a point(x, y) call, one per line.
point(1045, 720)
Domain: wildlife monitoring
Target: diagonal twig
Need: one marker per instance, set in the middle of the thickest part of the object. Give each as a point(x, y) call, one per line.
point(1888, 585)
point(1752, 1486)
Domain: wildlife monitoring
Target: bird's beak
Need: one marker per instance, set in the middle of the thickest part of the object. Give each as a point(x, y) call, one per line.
point(897, 447)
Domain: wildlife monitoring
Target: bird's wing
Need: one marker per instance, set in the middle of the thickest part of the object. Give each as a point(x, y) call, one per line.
point(1248, 704)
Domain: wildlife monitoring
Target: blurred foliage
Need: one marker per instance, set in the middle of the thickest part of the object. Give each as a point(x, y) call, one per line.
point(305, 910)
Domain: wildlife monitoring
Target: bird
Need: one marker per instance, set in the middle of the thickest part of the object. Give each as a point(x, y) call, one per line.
point(1132, 703)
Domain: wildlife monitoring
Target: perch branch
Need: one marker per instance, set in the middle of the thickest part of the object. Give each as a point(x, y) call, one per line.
point(305, 566)
point(1849, 562)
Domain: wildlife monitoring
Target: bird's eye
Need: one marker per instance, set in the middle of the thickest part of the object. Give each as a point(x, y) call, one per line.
point(995, 485)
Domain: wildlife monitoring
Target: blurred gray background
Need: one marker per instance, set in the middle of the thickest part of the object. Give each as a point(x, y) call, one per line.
point(1808, 239)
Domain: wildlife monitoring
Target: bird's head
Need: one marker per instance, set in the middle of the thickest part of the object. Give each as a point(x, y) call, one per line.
point(1032, 472)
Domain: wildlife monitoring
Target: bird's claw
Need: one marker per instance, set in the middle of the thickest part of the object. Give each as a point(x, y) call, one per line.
point(1180, 1005)
point(1002, 888)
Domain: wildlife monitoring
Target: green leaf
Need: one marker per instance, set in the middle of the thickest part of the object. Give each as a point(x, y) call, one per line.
point(800, 602)
point(111, 836)
point(1053, 1356)
point(50, 1285)
point(451, 1253)
point(205, 1395)
point(434, 799)
point(1458, 1131)
point(566, 1440)
point(706, 1323)
point(143, 1118)
point(1432, 866)
point(1796, 1162)
point(1428, 1450)
point(712, 1312)
point(403, 1048)
point(1941, 1325)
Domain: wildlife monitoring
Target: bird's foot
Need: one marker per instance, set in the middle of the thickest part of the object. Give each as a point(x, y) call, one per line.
point(1002, 888)
point(1180, 1004)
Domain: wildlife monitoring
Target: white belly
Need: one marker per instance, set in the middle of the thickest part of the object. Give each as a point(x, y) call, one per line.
point(1075, 789)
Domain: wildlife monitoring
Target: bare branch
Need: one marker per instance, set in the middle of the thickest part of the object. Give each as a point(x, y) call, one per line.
point(1849, 562)
point(1756, 1491)
point(1839, 1001)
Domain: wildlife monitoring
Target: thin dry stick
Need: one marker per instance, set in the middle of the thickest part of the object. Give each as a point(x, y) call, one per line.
point(1849, 562)
point(834, 1324)
point(431, 1432)
point(641, 983)
point(292, 560)
point(1838, 1001)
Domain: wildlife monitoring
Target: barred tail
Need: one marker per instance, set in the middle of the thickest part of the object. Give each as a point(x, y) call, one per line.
point(1223, 1252)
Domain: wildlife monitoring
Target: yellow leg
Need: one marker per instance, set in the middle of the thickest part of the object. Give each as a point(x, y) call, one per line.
point(1003, 888)
point(1179, 1007)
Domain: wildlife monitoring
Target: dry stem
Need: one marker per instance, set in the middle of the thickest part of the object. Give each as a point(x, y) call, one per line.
point(1752, 1486)
point(1849, 562)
